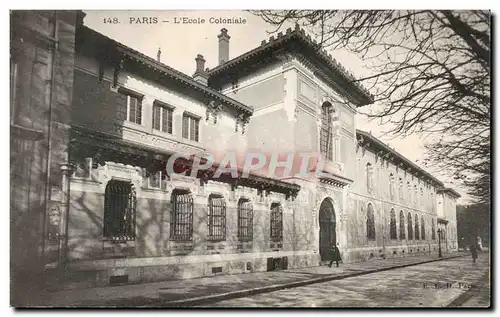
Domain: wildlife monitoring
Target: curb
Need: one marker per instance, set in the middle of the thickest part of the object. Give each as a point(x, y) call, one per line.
point(271, 288)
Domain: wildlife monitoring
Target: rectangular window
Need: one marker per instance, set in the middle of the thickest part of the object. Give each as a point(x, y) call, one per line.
point(190, 127)
point(216, 219)
point(131, 110)
point(245, 221)
point(162, 118)
point(119, 211)
point(181, 224)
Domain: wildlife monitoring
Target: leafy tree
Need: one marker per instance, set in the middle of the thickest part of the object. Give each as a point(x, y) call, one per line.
point(429, 72)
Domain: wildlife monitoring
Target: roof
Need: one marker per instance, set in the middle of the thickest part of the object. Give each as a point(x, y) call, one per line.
point(450, 191)
point(294, 41)
point(396, 155)
point(96, 43)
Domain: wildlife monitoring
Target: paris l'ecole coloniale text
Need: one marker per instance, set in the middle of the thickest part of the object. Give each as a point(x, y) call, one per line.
point(178, 20)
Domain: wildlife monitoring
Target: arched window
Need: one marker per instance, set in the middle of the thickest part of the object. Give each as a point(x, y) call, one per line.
point(402, 230)
point(245, 220)
point(276, 223)
point(370, 223)
point(433, 229)
point(410, 227)
point(391, 185)
point(415, 194)
point(401, 189)
point(369, 177)
point(119, 211)
point(181, 224)
point(417, 228)
point(394, 230)
point(422, 225)
point(408, 187)
point(216, 218)
point(326, 135)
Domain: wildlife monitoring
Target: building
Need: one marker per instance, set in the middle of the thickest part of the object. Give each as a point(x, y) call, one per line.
point(41, 84)
point(119, 217)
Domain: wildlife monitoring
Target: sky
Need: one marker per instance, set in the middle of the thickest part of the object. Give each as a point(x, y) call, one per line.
point(180, 43)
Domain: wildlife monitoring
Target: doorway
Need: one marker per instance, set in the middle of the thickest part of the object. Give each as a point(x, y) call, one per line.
point(327, 232)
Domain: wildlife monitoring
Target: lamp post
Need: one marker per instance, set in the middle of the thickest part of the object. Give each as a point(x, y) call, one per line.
point(439, 242)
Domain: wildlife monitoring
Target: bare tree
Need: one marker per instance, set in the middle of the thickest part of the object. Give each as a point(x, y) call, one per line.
point(429, 72)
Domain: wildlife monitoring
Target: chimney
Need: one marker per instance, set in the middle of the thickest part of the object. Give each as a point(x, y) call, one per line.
point(158, 55)
point(200, 75)
point(223, 46)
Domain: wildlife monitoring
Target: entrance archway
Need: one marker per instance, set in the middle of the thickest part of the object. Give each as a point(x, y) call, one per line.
point(327, 232)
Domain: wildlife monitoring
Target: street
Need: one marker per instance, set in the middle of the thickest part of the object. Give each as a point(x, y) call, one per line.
point(434, 284)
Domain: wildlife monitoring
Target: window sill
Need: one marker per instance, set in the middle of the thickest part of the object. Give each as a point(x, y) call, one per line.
point(162, 134)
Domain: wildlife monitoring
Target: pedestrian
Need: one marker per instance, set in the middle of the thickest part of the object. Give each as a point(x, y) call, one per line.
point(473, 251)
point(334, 256)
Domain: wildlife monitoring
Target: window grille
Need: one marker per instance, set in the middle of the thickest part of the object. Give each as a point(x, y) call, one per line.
point(276, 223)
point(245, 221)
point(181, 223)
point(119, 211)
point(216, 218)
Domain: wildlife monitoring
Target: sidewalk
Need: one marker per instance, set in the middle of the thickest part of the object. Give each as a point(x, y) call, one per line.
point(198, 290)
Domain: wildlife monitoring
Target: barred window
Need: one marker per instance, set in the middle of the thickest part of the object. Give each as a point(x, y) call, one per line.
point(245, 220)
point(326, 133)
point(181, 223)
point(216, 218)
point(162, 117)
point(433, 229)
point(370, 223)
point(417, 228)
point(410, 227)
point(402, 231)
point(119, 211)
point(190, 127)
point(422, 230)
point(394, 233)
point(276, 223)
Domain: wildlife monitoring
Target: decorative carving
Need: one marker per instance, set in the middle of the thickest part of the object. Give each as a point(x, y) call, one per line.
point(242, 120)
point(213, 109)
point(55, 215)
point(116, 73)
